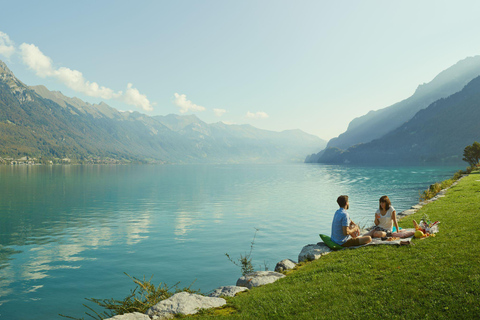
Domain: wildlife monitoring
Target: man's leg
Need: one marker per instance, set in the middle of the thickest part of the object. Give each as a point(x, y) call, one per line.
point(353, 242)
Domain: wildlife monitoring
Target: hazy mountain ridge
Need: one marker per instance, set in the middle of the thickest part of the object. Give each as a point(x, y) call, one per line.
point(46, 124)
point(241, 139)
point(436, 134)
point(376, 124)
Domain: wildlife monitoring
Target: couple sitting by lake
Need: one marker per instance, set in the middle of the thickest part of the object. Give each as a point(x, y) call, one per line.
point(347, 234)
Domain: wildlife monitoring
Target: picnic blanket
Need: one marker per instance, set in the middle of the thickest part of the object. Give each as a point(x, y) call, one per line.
point(396, 241)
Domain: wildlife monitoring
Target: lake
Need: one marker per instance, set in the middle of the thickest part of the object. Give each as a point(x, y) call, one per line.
point(70, 232)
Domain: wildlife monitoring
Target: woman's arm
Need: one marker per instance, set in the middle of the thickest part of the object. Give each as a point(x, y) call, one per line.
point(394, 218)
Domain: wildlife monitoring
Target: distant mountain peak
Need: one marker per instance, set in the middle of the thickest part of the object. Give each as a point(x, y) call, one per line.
point(75, 104)
point(371, 126)
point(18, 88)
point(186, 116)
point(178, 122)
point(4, 69)
point(465, 68)
point(423, 139)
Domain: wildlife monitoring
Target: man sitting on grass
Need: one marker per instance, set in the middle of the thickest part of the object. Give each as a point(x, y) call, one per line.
point(344, 231)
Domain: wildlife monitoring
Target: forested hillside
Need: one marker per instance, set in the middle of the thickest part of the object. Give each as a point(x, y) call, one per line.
point(437, 134)
point(376, 124)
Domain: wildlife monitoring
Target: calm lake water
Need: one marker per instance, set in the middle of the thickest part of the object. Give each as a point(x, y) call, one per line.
point(70, 232)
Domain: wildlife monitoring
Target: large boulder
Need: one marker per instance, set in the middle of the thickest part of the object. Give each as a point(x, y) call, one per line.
point(313, 252)
point(227, 291)
point(131, 316)
point(183, 303)
point(259, 278)
point(286, 264)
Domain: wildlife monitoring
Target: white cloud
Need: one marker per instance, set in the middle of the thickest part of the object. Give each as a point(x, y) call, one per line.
point(134, 97)
point(7, 47)
point(257, 115)
point(43, 66)
point(74, 79)
point(186, 105)
point(36, 60)
point(219, 112)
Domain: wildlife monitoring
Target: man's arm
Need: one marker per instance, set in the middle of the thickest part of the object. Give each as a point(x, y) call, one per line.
point(350, 230)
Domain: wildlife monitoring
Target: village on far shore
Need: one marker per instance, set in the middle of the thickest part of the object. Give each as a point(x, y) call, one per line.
point(34, 161)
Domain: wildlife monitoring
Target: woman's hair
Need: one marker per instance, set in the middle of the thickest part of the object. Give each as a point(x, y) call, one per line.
point(342, 201)
point(387, 202)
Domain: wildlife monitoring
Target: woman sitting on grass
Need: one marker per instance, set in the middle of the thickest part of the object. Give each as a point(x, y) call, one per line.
point(385, 218)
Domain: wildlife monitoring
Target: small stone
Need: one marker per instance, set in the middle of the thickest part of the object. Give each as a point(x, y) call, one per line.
point(259, 278)
point(286, 264)
point(227, 291)
point(313, 252)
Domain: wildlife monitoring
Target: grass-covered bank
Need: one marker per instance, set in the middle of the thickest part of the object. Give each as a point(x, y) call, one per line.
point(434, 278)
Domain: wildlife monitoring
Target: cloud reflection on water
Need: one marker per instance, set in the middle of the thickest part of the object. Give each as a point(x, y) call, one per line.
point(65, 251)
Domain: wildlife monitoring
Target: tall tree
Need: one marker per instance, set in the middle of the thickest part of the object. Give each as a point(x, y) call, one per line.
point(471, 154)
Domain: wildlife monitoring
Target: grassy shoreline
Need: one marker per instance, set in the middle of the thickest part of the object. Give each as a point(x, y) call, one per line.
point(436, 278)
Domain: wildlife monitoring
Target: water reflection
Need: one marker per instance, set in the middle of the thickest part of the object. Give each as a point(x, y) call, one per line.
point(138, 228)
point(51, 216)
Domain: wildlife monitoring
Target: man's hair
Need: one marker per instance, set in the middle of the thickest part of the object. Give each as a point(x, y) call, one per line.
point(387, 201)
point(342, 201)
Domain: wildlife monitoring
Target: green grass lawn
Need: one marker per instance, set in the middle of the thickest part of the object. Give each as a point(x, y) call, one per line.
point(436, 278)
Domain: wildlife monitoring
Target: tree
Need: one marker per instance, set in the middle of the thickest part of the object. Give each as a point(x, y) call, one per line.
point(471, 154)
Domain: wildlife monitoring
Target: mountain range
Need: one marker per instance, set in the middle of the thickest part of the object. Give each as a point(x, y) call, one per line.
point(46, 125)
point(432, 126)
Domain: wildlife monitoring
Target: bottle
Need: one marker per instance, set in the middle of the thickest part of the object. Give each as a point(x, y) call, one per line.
point(435, 223)
point(415, 224)
point(434, 227)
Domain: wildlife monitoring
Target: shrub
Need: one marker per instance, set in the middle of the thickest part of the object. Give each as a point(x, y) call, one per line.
point(141, 298)
point(438, 186)
point(245, 261)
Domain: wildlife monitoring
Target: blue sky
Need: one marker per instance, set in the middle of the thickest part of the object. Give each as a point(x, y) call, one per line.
point(309, 65)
